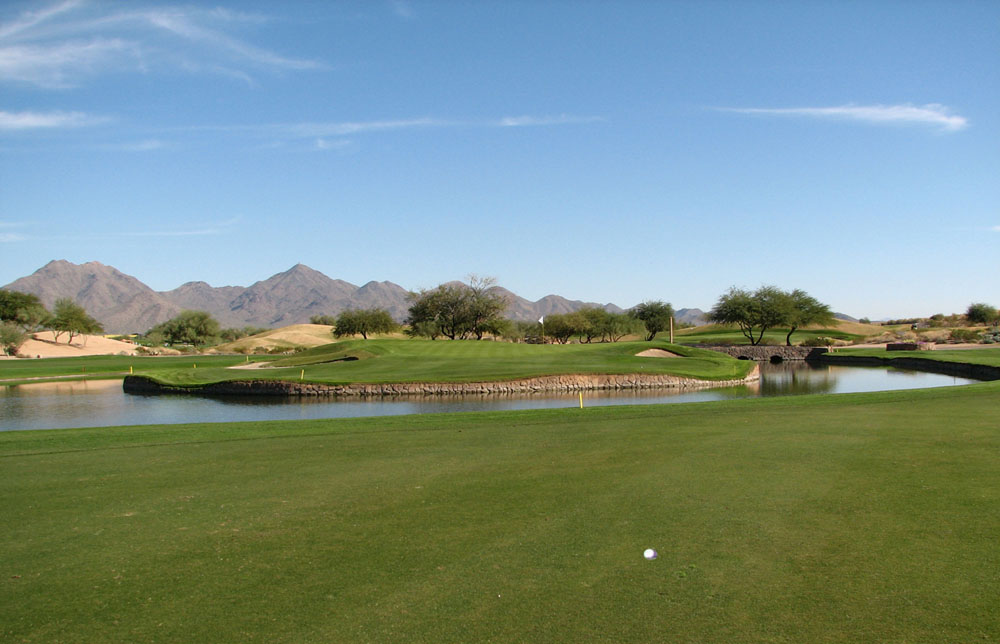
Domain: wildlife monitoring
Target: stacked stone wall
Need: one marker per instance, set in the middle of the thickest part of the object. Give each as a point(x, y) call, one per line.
point(568, 383)
point(762, 353)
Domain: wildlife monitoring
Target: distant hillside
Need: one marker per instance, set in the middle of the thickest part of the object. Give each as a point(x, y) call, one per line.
point(120, 302)
point(123, 304)
point(694, 317)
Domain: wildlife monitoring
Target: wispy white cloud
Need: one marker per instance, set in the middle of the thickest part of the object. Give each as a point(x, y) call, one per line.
point(345, 128)
point(325, 135)
point(535, 121)
point(212, 228)
point(47, 120)
point(402, 9)
point(336, 144)
point(63, 45)
point(11, 237)
point(147, 145)
point(931, 114)
point(996, 229)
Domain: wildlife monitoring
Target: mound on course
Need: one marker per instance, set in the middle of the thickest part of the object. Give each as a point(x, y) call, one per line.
point(295, 336)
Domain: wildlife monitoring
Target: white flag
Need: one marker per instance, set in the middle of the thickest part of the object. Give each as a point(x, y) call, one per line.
point(541, 320)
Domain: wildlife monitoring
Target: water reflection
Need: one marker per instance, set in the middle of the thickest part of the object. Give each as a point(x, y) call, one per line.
point(101, 403)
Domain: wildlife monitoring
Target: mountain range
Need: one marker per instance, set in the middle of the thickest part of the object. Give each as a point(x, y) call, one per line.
point(123, 304)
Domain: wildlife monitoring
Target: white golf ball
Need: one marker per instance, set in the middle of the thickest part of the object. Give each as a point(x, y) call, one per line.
point(650, 554)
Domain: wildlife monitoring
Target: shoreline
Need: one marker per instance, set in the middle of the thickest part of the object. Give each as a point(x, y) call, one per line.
point(960, 369)
point(564, 383)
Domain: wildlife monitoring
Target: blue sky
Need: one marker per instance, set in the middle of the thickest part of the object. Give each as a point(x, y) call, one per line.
point(605, 151)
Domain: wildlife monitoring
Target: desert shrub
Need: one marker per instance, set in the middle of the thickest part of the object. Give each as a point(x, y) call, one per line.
point(963, 335)
point(818, 341)
point(990, 337)
point(11, 338)
point(981, 313)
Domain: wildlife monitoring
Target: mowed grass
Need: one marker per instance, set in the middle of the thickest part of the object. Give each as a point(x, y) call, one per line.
point(392, 360)
point(986, 355)
point(104, 367)
point(853, 518)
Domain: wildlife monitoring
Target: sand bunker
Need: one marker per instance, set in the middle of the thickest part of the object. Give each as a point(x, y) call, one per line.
point(44, 345)
point(657, 353)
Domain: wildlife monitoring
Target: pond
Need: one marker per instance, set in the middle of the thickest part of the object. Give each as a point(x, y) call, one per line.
point(101, 403)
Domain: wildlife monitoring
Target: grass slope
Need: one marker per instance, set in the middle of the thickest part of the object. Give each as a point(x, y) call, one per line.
point(294, 336)
point(855, 518)
point(389, 360)
point(104, 367)
point(984, 356)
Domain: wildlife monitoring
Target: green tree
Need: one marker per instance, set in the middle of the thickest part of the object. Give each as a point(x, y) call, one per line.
point(12, 336)
point(197, 328)
point(326, 320)
point(803, 310)
point(364, 322)
point(981, 313)
point(458, 310)
point(485, 306)
point(69, 317)
point(589, 323)
point(754, 313)
point(233, 334)
point(616, 326)
point(23, 309)
point(560, 327)
point(654, 315)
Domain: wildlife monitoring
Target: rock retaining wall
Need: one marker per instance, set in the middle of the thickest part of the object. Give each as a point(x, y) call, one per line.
point(769, 353)
point(142, 384)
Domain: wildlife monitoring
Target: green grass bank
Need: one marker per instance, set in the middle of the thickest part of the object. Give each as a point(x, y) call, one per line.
point(852, 518)
point(462, 361)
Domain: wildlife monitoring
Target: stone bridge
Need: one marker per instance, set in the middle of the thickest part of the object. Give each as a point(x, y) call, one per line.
point(771, 354)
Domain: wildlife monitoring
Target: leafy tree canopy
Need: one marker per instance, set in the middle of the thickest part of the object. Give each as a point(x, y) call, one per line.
point(981, 313)
point(768, 307)
point(12, 337)
point(654, 315)
point(23, 309)
point(802, 310)
point(458, 310)
point(326, 320)
point(197, 328)
point(69, 317)
point(364, 322)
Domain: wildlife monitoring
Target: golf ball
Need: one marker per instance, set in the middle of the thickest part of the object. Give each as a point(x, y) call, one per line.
point(649, 554)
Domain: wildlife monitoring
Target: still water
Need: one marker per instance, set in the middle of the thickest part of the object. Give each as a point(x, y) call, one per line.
point(101, 403)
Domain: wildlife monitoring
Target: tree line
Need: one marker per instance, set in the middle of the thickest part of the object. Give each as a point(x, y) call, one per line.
point(23, 313)
point(459, 311)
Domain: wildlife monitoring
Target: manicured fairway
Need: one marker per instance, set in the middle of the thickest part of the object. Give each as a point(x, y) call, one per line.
point(98, 367)
point(854, 518)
